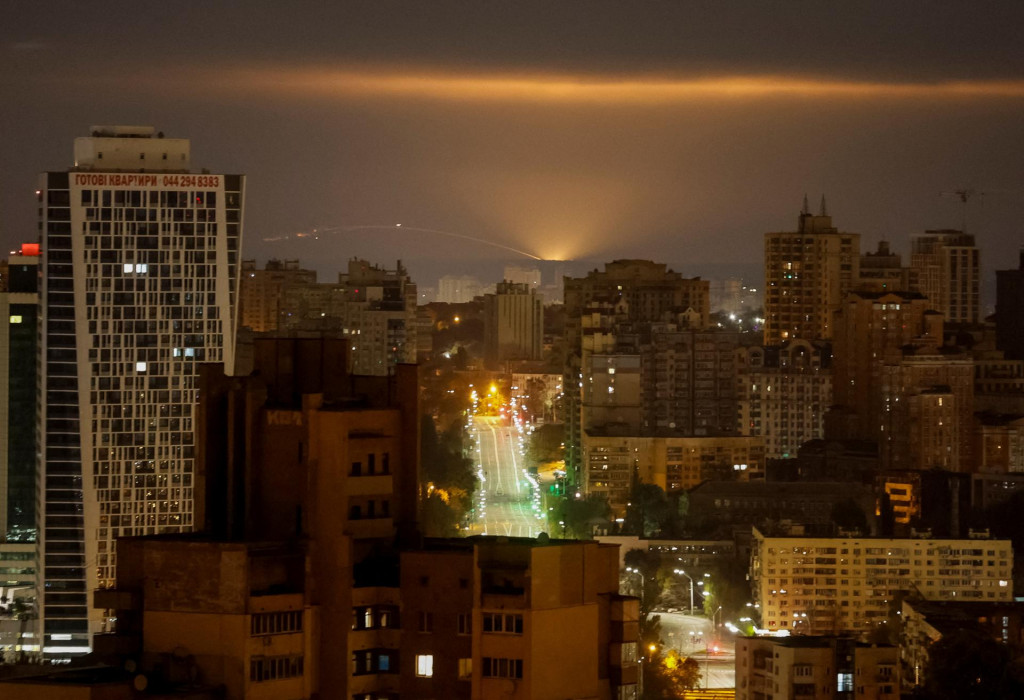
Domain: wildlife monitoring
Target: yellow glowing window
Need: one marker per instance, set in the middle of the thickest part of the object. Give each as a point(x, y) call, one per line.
point(15, 319)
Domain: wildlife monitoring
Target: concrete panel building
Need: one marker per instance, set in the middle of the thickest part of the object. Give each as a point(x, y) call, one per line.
point(837, 585)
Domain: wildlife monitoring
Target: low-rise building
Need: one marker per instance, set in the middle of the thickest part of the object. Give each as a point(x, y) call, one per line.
point(836, 585)
point(814, 668)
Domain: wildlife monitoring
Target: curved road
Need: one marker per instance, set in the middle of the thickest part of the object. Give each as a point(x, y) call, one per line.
point(505, 494)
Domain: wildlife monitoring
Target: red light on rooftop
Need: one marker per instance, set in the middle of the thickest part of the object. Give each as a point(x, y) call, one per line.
point(30, 249)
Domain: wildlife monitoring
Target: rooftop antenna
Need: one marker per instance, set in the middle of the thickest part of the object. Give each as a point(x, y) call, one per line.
point(807, 207)
point(824, 209)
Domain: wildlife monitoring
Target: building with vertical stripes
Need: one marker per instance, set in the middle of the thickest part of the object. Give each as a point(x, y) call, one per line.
point(139, 276)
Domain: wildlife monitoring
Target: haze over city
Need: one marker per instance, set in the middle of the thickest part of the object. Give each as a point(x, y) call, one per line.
point(565, 130)
point(512, 350)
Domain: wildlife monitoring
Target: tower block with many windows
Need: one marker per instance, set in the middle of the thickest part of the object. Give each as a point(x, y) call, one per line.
point(138, 286)
point(807, 273)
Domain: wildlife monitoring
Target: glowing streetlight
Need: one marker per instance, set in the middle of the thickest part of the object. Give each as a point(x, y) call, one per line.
point(683, 573)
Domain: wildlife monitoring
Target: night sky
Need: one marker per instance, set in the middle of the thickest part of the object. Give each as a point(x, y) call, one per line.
point(677, 131)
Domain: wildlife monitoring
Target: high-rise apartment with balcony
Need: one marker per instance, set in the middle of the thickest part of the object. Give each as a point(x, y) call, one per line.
point(807, 273)
point(139, 276)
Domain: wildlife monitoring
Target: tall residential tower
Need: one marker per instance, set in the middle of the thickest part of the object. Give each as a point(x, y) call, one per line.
point(807, 273)
point(138, 284)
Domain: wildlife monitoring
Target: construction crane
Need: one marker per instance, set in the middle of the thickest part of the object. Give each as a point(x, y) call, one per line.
point(964, 195)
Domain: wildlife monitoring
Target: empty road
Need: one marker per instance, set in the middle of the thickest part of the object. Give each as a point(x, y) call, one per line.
point(506, 494)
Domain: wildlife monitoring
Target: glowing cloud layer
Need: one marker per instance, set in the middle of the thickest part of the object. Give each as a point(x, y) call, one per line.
point(580, 89)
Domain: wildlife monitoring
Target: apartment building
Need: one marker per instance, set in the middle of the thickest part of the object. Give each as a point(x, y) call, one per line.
point(872, 329)
point(815, 668)
point(486, 617)
point(882, 271)
point(625, 298)
point(783, 393)
point(371, 307)
point(261, 291)
point(140, 266)
point(807, 273)
point(673, 463)
point(513, 323)
point(835, 585)
point(945, 266)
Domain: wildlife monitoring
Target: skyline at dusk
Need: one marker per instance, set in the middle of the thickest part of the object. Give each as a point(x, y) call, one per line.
point(571, 131)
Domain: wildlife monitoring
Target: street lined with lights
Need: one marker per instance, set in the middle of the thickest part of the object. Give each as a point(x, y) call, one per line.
point(508, 496)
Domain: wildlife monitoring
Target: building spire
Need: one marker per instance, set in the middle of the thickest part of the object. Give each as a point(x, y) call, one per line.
point(824, 209)
point(807, 207)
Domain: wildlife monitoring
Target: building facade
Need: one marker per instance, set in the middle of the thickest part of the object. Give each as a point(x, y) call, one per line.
point(872, 329)
point(613, 463)
point(625, 298)
point(261, 291)
point(371, 307)
point(1010, 311)
point(926, 622)
point(19, 311)
point(139, 277)
point(807, 274)
point(838, 585)
point(513, 323)
point(486, 618)
point(945, 266)
point(882, 271)
point(815, 668)
point(784, 391)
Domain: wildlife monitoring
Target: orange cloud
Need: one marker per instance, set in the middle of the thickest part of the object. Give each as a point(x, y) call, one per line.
point(623, 89)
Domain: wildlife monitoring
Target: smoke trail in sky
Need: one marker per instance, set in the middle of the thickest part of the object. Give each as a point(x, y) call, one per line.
point(315, 233)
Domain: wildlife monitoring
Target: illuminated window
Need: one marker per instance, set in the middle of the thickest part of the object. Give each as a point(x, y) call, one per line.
point(140, 366)
point(15, 319)
point(465, 668)
point(425, 665)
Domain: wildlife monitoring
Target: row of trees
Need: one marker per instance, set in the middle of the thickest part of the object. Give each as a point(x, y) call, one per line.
point(447, 477)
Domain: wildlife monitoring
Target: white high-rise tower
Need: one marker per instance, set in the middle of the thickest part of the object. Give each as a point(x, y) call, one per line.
point(139, 279)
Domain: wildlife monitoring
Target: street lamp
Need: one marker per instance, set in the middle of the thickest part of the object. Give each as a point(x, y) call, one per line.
point(643, 593)
point(683, 573)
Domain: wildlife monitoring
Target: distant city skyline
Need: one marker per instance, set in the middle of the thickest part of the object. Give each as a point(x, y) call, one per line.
point(674, 132)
